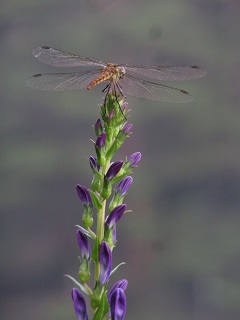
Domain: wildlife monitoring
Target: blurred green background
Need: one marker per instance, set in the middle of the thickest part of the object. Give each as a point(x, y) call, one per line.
point(182, 241)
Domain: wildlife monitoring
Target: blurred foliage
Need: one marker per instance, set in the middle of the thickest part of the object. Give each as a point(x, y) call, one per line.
point(183, 235)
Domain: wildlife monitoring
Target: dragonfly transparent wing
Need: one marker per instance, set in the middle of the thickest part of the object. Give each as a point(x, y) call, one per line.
point(61, 81)
point(58, 58)
point(166, 72)
point(144, 89)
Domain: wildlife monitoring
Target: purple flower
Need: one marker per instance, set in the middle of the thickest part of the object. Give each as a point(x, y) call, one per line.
point(118, 304)
point(105, 262)
point(79, 305)
point(84, 195)
point(119, 284)
point(83, 245)
point(98, 127)
point(93, 163)
point(134, 159)
point(124, 185)
point(115, 215)
point(101, 139)
point(113, 170)
point(127, 128)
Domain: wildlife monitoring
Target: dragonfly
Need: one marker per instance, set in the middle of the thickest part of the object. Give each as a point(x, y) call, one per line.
point(126, 79)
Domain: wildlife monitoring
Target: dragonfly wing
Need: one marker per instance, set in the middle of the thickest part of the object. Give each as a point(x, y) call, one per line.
point(58, 58)
point(167, 72)
point(61, 81)
point(144, 89)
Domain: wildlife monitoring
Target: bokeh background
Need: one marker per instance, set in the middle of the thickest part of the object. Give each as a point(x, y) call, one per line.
point(182, 241)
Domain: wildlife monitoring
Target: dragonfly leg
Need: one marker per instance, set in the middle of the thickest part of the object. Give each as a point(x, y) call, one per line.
point(116, 89)
point(119, 89)
point(107, 90)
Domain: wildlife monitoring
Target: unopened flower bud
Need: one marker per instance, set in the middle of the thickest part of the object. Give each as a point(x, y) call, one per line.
point(101, 140)
point(134, 159)
point(93, 163)
point(98, 127)
point(127, 128)
point(119, 284)
point(124, 185)
point(105, 256)
point(124, 106)
point(84, 195)
point(113, 170)
point(115, 215)
point(118, 304)
point(85, 250)
point(111, 114)
point(100, 150)
point(79, 305)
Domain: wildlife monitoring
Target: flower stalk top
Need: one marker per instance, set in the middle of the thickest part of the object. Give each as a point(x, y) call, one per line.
point(104, 202)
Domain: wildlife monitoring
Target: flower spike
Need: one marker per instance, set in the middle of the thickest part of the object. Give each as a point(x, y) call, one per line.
point(111, 130)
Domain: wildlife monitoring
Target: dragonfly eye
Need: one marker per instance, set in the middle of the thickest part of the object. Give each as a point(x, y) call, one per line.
point(121, 71)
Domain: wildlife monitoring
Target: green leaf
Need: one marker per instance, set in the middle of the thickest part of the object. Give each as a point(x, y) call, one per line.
point(111, 151)
point(103, 308)
point(83, 230)
point(115, 269)
point(96, 296)
point(119, 177)
point(77, 284)
point(95, 199)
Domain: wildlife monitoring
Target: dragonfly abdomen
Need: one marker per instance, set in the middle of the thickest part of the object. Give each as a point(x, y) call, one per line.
point(104, 76)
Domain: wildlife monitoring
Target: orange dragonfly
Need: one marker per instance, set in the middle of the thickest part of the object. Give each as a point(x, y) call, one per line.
point(123, 78)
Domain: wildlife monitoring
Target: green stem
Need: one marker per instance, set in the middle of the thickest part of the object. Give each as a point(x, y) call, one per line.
point(92, 234)
point(89, 290)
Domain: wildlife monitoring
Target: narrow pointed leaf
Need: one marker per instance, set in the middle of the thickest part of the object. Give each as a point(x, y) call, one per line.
point(83, 230)
point(115, 269)
point(95, 200)
point(77, 284)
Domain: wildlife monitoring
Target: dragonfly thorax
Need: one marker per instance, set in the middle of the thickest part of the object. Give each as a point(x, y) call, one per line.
point(114, 71)
point(111, 72)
